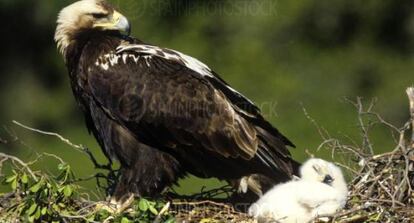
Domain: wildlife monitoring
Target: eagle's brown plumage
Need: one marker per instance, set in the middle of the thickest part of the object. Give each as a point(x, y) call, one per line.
point(162, 113)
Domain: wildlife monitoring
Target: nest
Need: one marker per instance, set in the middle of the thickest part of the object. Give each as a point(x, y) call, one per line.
point(382, 190)
point(207, 211)
point(381, 186)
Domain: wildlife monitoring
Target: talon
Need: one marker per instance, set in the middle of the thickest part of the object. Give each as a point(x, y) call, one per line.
point(122, 206)
point(116, 207)
point(108, 206)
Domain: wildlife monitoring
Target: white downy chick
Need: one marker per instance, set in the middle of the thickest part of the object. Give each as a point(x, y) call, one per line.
point(321, 191)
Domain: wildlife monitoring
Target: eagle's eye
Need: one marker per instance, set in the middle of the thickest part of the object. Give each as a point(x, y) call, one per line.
point(99, 15)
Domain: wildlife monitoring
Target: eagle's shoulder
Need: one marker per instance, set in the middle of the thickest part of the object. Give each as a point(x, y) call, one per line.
point(167, 54)
point(199, 69)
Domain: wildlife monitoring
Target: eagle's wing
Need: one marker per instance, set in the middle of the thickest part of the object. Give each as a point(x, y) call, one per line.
point(240, 103)
point(169, 99)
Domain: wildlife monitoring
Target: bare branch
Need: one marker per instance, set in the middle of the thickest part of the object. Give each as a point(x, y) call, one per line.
point(410, 94)
point(79, 147)
point(21, 163)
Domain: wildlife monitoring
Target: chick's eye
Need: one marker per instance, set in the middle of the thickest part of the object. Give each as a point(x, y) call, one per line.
point(99, 15)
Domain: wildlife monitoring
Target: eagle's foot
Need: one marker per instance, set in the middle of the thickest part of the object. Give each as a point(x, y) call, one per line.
point(114, 206)
point(124, 203)
point(107, 206)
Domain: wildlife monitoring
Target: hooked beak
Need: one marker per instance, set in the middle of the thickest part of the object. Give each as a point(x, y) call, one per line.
point(117, 22)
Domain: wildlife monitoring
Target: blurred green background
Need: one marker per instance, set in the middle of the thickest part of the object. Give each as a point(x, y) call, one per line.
point(284, 55)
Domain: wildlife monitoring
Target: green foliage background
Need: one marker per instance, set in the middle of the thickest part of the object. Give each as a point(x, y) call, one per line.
point(284, 55)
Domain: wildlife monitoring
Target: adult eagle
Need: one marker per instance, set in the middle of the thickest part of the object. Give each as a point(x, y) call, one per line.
point(162, 113)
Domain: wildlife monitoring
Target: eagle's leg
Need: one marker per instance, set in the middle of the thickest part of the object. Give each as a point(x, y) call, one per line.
point(249, 189)
point(248, 183)
point(140, 178)
point(145, 171)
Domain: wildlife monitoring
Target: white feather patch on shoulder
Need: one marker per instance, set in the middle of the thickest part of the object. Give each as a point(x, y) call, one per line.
point(111, 59)
point(169, 54)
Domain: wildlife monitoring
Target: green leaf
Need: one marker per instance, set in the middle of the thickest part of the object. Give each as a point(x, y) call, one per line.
point(25, 179)
point(55, 207)
point(32, 209)
point(60, 189)
point(45, 192)
point(143, 205)
point(90, 218)
point(11, 178)
point(37, 215)
point(35, 188)
point(102, 214)
point(62, 166)
point(152, 203)
point(67, 191)
point(170, 220)
point(153, 210)
point(31, 218)
point(125, 220)
point(64, 212)
point(14, 184)
point(44, 210)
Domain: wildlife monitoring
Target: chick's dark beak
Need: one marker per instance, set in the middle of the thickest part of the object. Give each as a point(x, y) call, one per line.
point(328, 180)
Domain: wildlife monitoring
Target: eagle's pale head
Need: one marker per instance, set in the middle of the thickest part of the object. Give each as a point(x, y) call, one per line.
point(84, 16)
